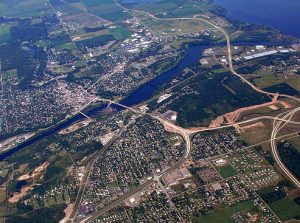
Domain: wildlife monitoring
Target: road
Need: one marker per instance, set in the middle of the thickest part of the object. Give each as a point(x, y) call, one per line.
point(186, 134)
point(88, 171)
point(229, 52)
point(278, 124)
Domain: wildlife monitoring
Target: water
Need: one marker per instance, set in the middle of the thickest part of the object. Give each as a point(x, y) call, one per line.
point(140, 95)
point(277, 14)
point(148, 90)
point(143, 93)
point(19, 185)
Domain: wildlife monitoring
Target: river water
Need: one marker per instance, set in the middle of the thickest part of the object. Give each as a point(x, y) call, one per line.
point(283, 15)
point(143, 93)
point(278, 14)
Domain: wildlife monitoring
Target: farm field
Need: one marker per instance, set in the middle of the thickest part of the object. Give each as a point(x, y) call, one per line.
point(25, 8)
point(106, 9)
point(171, 8)
point(285, 208)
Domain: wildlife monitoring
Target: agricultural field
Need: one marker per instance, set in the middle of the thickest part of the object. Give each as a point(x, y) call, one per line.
point(171, 8)
point(64, 9)
point(286, 209)
point(21, 9)
point(283, 199)
point(106, 9)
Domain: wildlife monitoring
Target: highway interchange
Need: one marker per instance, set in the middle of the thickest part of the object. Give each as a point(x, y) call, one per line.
point(278, 123)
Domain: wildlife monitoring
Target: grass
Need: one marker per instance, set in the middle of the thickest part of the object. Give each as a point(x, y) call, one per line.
point(65, 46)
point(173, 8)
point(5, 32)
point(9, 74)
point(2, 195)
point(106, 9)
point(93, 3)
point(266, 190)
point(173, 26)
point(224, 215)
point(270, 79)
point(24, 8)
point(295, 142)
point(3, 173)
point(285, 209)
point(120, 33)
point(68, 9)
point(226, 171)
point(257, 135)
point(174, 138)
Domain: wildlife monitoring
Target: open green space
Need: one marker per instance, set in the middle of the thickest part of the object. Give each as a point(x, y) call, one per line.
point(106, 9)
point(120, 33)
point(176, 26)
point(95, 42)
point(2, 197)
point(224, 215)
point(172, 8)
point(65, 46)
point(285, 209)
point(9, 74)
point(227, 171)
point(24, 8)
point(5, 32)
point(64, 8)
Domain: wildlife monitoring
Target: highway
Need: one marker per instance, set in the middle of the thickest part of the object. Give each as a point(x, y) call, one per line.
point(229, 52)
point(186, 134)
point(277, 126)
point(88, 171)
point(278, 123)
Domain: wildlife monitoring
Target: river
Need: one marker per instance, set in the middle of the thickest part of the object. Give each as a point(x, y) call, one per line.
point(140, 95)
point(277, 14)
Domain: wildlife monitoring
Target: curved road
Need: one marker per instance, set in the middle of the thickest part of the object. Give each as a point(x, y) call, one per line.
point(278, 124)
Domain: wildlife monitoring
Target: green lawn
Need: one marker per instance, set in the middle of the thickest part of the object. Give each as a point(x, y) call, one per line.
point(285, 209)
point(227, 171)
point(5, 32)
point(224, 215)
point(65, 46)
point(120, 33)
point(9, 74)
